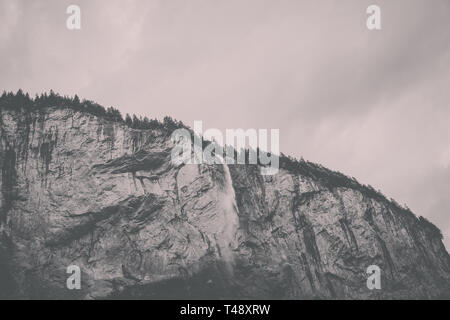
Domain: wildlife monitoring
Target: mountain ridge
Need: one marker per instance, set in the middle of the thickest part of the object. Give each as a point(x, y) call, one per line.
point(9, 99)
point(80, 184)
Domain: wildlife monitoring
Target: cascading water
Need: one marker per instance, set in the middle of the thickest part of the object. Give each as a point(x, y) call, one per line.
point(226, 238)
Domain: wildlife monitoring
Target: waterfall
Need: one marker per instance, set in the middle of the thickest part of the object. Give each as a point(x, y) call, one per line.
point(230, 225)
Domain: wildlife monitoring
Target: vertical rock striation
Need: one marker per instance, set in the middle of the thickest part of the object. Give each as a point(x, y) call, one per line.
point(80, 190)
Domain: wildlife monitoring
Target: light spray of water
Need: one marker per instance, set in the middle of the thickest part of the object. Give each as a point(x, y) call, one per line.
point(231, 221)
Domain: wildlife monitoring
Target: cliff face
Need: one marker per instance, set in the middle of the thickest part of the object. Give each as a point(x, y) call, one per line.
point(79, 190)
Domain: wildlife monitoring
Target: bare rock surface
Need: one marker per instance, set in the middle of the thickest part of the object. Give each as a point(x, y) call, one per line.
point(79, 190)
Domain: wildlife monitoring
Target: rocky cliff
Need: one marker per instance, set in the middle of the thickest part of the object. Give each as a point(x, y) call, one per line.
point(77, 189)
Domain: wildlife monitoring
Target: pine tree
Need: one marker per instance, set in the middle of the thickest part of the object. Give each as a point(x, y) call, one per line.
point(76, 100)
point(128, 120)
point(135, 124)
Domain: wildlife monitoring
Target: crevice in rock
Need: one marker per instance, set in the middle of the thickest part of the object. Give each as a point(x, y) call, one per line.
point(9, 176)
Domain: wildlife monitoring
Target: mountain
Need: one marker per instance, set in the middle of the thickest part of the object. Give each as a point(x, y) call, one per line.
point(81, 186)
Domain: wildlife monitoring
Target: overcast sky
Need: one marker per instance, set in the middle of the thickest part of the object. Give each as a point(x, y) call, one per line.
point(372, 104)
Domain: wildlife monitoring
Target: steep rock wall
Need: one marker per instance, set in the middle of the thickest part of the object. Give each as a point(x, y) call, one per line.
point(80, 190)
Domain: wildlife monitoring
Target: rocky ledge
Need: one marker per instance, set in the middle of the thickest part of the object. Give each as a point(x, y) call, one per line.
point(78, 189)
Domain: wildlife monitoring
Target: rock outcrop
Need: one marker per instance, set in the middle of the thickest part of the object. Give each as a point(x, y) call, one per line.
point(77, 189)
